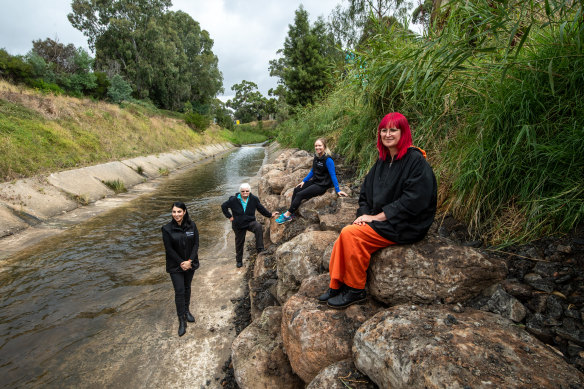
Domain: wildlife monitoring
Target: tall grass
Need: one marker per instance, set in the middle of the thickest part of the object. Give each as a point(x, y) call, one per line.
point(494, 95)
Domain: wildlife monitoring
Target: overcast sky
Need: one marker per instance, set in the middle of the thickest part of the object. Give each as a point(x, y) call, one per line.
point(247, 33)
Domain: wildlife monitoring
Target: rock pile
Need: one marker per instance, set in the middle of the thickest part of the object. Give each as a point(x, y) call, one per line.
point(439, 314)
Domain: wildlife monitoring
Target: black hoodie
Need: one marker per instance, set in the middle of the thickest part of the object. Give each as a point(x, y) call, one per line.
point(181, 244)
point(241, 219)
point(406, 191)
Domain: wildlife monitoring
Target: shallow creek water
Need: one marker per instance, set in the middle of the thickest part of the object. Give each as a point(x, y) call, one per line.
point(84, 285)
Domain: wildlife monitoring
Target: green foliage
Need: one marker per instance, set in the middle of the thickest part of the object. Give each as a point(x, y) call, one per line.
point(243, 134)
point(46, 87)
point(353, 25)
point(119, 90)
point(196, 121)
point(14, 68)
point(222, 114)
point(102, 84)
point(305, 66)
point(116, 185)
point(164, 55)
point(494, 95)
point(248, 103)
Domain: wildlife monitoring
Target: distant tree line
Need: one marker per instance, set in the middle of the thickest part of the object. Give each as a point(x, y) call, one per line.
point(142, 51)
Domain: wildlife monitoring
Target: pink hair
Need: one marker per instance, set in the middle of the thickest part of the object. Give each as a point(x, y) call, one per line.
point(395, 120)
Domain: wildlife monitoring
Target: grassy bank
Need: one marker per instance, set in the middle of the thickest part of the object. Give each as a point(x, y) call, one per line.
point(494, 95)
point(43, 133)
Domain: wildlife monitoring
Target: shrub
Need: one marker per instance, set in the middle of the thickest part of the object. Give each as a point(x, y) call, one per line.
point(196, 121)
point(119, 89)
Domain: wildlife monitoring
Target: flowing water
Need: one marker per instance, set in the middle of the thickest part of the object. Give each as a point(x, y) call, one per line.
point(104, 274)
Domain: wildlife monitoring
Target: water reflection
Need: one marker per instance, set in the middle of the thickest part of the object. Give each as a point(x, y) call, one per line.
point(56, 295)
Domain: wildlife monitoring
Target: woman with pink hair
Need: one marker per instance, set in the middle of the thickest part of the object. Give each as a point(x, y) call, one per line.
point(397, 205)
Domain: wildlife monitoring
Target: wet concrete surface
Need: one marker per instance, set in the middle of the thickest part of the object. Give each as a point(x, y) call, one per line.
point(92, 306)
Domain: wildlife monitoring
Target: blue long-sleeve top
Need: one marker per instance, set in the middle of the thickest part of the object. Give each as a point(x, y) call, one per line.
point(330, 165)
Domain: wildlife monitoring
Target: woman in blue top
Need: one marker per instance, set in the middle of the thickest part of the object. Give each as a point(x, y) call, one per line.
point(321, 177)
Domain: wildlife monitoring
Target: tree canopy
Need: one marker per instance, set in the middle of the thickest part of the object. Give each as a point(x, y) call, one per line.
point(248, 103)
point(164, 55)
point(307, 57)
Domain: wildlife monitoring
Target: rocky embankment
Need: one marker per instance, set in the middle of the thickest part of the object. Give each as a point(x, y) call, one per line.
point(439, 313)
point(30, 201)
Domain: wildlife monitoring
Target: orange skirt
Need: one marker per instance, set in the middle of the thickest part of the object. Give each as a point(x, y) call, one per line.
point(351, 254)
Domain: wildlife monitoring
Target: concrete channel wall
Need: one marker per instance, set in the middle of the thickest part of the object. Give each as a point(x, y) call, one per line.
point(31, 201)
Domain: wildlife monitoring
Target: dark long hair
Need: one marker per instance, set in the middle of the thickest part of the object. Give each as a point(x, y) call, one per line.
point(397, 120)
point(181, 205)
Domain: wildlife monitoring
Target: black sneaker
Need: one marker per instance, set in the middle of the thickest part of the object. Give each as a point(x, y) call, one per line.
point(347, 297)
point(239, 264)
point(323, 298)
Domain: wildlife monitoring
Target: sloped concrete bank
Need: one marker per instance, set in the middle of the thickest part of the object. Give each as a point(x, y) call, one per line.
point(32, 202)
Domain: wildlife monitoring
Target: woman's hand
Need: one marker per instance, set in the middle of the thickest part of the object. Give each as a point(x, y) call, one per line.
point(301, 184)
point(231, 219)
point(342, 194)
point(361, 220)
point(186, 265)
point(274, 214)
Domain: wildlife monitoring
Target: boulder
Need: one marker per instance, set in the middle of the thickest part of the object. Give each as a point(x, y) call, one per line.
point(258, 358)
point(344, 215)
point(504, 304)
point(299, 259)
point(315, 336)
point(262, 292)
point(280, 233)
point(341, 375)
point(432, 270)
point(273, 182)
point(326, 256)
point(292, 179)
point(310, 209)
point(436, 347)
point(296, 163)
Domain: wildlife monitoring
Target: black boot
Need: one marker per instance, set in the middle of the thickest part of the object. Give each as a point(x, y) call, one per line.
point(190, 317)
point(182, 325)
point(323, 298)
point(347, 297)
point(239, 264)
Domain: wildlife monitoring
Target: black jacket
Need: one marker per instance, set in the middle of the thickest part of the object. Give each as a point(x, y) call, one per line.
point(241, 220)
point(406, 191)
point(181, 244)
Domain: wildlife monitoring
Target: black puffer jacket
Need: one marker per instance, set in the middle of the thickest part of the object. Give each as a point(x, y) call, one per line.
point(181, 244)
point(241, 219)
point(406, 191)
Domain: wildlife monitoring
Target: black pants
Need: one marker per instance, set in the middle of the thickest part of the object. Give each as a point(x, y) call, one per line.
point(308, 191)
point(182, 290)
point(254, 227)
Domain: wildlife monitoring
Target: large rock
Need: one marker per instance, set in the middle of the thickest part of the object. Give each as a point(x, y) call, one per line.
point(344, 215)
point(310, 209)
point(258, 358)
point(280, 233)
point(434, 347)
point(262, 292)
point(292, 179)
point(341, 375)
point(432, 270)
point(299, 259)
point(504, 304)
point(295, 163)
point(316, 336)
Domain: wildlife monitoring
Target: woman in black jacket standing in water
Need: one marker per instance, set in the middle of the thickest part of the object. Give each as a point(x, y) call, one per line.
point(181, 242)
